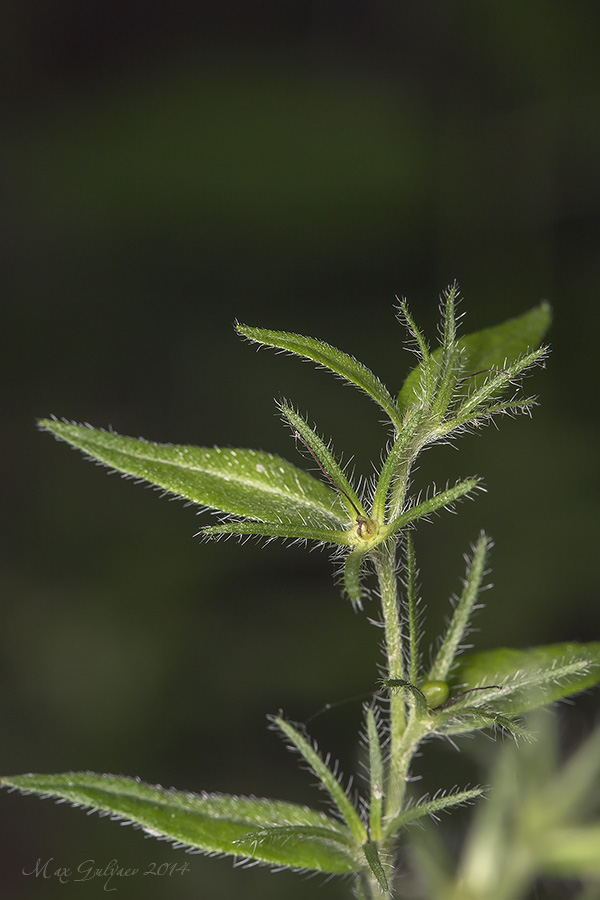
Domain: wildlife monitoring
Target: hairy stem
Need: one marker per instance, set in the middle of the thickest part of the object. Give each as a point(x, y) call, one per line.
point(368, 887)
point(385, 565)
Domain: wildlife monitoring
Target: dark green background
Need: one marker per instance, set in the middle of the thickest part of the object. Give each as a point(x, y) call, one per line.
point(168, 168)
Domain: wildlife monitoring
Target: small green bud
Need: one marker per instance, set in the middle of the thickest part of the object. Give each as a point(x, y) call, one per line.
point(436, 693)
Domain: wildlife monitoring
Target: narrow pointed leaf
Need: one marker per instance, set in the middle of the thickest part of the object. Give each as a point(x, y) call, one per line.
point(438, 501)
point(414, 330)
point(448, 360)
point(326, 459)
point(213, 823)
point(352, 567)
point(331, 358)
point(248, 483)
point(376, 775)
point(487, 412)
point(464, 719)
point(401, 452)
point(489, 348)
point(372, 856)
point(478, 401)
point(529, 678)
point(431, 807)
point(462, 613)
point(274, 530)
point(327, 778)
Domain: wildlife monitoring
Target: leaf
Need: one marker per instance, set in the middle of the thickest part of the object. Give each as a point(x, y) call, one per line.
point(438, 501)
point(462, 612)
point(248, 483)
point(528, 678)
point(430, 808)
point(489, 348)
point(401, 452)
point(213, 823)
point(372, 856)
point(327, 778)
point(274, 530)
point(352, 566)
point(481, 400)
point(325, 459)
point(463, 719)
point(376, 775)
point(331, 358)
point(447, 364)
point(572, 852)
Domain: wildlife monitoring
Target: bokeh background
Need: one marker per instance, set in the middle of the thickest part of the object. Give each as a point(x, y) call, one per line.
point(169, 168)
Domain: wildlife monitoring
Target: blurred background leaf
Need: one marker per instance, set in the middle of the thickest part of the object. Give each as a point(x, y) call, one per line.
point(166, 170)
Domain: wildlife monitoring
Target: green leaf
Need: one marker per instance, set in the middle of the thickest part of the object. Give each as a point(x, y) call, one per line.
point(327, 778)
point(372, 856)
point(376, 775)
point(213, 823)
point(274, 530)
point(480, 402)
point(331, 358)
point(572, 852)
point(352, 566)
point(489, 348)
point(325, 459)
point(248, 483)
point(462, 612)
point(463, 719)
point(438, 501)
point(431, 808)
point(400, 454)
point(447, 364)
point(528, 678)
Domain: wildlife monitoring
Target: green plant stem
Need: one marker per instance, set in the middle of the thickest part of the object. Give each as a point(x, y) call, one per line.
point(385, 566)
point(368, 887)
point(401, 755)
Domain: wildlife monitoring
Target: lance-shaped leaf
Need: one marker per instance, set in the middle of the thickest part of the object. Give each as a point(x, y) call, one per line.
point(213, 823)
point(376, 775)
point(325, 460)
point(401, 453)
point(459, 622)
point(527, 679)
point(328, 779)
point(371, 852)
point(481, 400)
point(338, 362)
point(352, 567)
point(448, 361)
point(250, 483)
point(458, 719)
point(274, 530)
point(487, 349)
point(438, 501)
point(431, 808)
